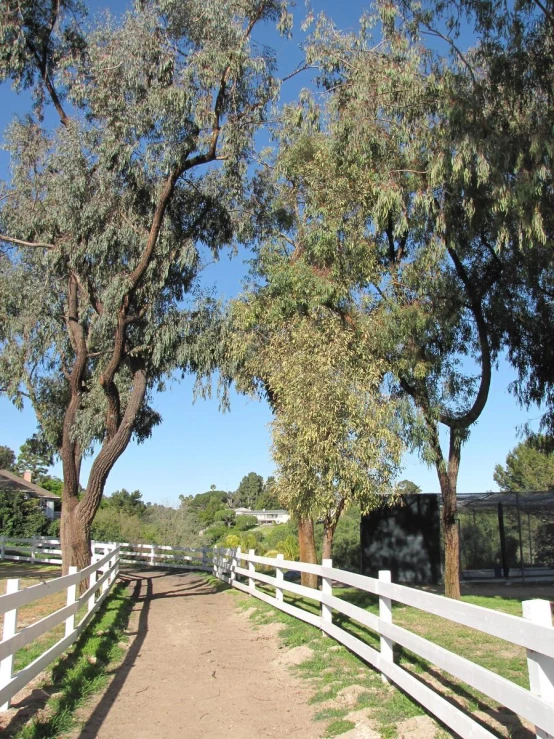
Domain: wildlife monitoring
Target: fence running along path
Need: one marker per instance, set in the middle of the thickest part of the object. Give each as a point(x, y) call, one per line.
point(534, 632)
point(44, 550)
point(100, 575)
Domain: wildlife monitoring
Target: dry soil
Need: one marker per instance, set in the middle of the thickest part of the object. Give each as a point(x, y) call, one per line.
point(197, 669)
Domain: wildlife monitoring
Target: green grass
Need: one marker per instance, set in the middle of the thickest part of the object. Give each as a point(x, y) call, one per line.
point(84, 670)
point(332, 668)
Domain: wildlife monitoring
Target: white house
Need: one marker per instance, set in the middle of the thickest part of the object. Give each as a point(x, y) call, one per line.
point(265, 517)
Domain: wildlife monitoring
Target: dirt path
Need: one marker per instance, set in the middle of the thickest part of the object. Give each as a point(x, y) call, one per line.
point(197, 669)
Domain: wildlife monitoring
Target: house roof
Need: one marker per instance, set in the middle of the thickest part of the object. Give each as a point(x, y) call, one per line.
point(9, 481)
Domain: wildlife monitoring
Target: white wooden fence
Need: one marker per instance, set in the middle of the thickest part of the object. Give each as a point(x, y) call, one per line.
point(44, 550)
point(534, 632)
point(100, 576)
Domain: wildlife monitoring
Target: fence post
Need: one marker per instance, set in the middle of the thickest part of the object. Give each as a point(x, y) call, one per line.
point(235, 562)
point(540, 666)
point(326, 589)
point(92, 583)
point(204, 558)
point(153, 555)
point(33, 548)
point(251, 568)
point(279, 576)
point(385, 614)
point(3, 548)
point(10, 628)
point(71, 598)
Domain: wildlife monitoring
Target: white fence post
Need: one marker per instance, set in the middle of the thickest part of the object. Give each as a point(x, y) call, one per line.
point(326, 589)
point(71, 598)
point(235, 562)
point(540, 666)
point(33, 549)
point(153, 555)
point(251, 568)
point(10, 628)
point(92, 582)
point(385, 614)
point(279, 576)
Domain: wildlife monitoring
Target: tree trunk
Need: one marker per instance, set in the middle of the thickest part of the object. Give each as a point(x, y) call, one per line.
point(75, 539)
point(77, 516)
point(306, 541)
point(448, 479)
point(329, 528)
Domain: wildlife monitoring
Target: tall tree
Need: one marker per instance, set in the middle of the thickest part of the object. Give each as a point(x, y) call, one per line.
point(248, 491)
point(529, 467)
point(36, 456)
point(107, 216)
point(7, 458)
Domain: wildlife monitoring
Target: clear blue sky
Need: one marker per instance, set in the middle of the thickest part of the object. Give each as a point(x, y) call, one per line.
point(196, 445)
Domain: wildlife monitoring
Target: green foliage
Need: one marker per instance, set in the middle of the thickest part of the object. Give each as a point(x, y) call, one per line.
point(226, 516)
point(407, 487)
point(7, 458)
point(248, 491)
point(21, 516)
point(109, 217)
point(243, 523)
point(129, 503)
point(35, 455)
point(528, 467)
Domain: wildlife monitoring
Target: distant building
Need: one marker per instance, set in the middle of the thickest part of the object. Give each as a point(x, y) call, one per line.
point(265, 517)
point(50, 503)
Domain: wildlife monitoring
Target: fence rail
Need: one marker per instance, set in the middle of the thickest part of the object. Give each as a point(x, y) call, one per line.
point(43, 550)
point(534, 632)
point(100, 576)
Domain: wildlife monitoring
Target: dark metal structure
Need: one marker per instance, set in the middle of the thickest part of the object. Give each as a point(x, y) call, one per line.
point(403, 538)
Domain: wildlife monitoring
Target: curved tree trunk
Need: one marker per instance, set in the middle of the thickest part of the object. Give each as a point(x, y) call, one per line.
point(306, 541)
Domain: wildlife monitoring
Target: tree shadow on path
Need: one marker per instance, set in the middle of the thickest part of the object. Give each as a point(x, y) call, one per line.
point(143, 595)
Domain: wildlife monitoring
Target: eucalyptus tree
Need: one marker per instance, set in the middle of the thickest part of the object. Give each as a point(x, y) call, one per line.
point(502, 107)
point(398, 222)
point(108, 215)
point(335, 437)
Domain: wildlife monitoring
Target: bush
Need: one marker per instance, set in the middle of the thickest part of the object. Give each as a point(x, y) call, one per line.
point(243, 523)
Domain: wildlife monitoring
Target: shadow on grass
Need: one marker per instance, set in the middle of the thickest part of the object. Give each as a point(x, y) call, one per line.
point(76, 675)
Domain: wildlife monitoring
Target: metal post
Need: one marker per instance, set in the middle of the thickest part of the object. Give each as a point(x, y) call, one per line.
point(10, 629)
point(520, 538)
point(502, 532)
point(385, 614)
point(540, 666)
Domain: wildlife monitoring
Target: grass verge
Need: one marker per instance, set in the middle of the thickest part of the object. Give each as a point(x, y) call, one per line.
point(83, 671)
point(345, 685)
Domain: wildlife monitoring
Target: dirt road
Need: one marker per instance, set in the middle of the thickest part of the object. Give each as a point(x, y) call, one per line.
point(197, 669)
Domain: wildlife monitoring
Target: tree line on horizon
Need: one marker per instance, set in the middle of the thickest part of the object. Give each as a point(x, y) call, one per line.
point(400, 225)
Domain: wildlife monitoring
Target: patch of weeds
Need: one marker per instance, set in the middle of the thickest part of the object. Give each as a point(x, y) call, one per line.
point(339, 727)
point(327, 713)
point(83, 671)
